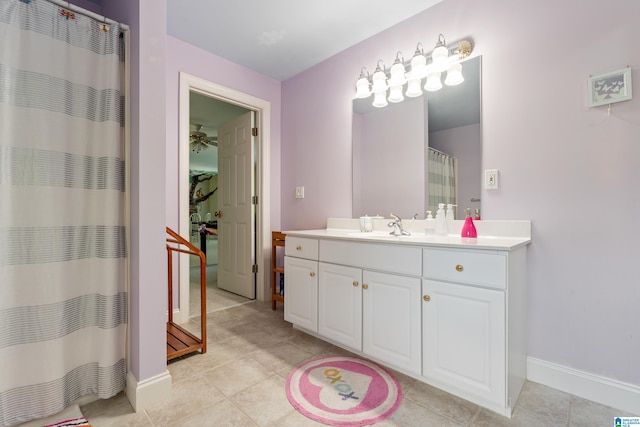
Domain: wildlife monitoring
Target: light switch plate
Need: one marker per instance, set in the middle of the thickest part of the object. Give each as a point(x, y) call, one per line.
point(299, 192)
point(491, 179)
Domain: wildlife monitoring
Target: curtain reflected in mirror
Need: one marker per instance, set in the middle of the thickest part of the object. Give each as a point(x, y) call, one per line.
point(442, 179)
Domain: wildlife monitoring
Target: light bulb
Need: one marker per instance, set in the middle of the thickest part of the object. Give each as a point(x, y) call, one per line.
point(379, 81)
point(418, 66)
point(395, 94)
point(397, 74)
point(362, 88)
point(413, 88)
point(380, 99)
point(439, 55)
point(454, 75)
point(433, 82)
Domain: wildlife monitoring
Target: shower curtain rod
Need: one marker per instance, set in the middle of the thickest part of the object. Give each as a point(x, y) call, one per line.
point(439, 152)
point(85, 12)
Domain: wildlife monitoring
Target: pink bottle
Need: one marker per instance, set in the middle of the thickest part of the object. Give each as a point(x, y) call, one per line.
point(468, 229)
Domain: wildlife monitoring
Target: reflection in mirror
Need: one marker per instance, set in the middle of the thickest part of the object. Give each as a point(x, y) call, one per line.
point(392, 171)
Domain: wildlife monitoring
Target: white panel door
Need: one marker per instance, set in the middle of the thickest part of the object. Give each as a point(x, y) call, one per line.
point(301, 292)
point(464, 338)
point(391, 321)
point(340, 304)
point(236, 234)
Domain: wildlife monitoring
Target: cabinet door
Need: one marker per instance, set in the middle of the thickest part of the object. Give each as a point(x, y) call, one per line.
point(391, 319)
point(301, 292)
point(340, 304)
point(464, 338)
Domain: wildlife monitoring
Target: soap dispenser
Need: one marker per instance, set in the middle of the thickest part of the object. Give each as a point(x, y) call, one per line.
point(468, 229)
point(450, 213)
point(441, 221)
point(430, 225)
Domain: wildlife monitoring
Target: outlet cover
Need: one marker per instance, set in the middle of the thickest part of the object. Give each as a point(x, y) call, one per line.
point(299, 192)
point(491, 179)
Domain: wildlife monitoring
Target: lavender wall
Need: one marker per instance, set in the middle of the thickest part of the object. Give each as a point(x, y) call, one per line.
point(573, 171)
point(183, 57)
point(147, 20)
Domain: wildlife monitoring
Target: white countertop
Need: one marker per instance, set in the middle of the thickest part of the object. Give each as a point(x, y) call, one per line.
point(496, 235)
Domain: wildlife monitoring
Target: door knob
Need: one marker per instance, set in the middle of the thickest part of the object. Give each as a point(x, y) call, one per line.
point(355, 284)
point(218, 214)
point(365, 286)
point(459, 268)
point(312, 274)
point(427, 298)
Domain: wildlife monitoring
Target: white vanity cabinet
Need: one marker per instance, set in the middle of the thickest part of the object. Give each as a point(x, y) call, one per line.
point(447, 312)
point(378, 287)
point(463, 338)
point(465, 324)
point(301, 286)
point(391, 319)
point(340, 304)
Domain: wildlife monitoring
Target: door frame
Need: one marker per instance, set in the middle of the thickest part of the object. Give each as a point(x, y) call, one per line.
point(262, 109)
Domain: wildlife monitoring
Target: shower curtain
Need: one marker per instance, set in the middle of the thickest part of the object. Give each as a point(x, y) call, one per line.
point(63, 299)
point(442, 178)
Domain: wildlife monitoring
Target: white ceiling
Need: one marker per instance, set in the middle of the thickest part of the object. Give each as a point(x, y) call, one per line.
point(281, 38)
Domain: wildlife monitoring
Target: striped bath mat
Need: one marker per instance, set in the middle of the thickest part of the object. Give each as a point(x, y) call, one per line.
point(71, 416)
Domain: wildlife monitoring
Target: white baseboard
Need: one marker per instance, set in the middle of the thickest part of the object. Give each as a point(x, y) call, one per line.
point(145, 393)
point(605, 391)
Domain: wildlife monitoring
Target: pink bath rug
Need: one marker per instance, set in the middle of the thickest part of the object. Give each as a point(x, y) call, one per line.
point(343, 391)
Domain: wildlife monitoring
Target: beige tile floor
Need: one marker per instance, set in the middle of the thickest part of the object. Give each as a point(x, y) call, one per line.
point(217, 299)
point(251, 350)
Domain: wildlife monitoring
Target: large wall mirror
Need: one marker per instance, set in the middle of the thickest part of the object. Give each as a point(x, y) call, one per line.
point(412, 155)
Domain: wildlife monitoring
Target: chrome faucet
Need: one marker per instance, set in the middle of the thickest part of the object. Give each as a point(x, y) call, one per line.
point(397, 226)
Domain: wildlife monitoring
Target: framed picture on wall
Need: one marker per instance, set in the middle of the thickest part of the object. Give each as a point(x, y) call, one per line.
point(609, 88)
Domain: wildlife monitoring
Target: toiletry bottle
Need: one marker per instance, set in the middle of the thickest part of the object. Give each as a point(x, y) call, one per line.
point(429, 225)
point(468, 229)
point(450, 213)
point(476, 217)
point(441, 221)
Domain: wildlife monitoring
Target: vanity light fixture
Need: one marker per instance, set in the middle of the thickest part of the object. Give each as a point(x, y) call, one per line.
point(363, 85)
point(443, 59)
point(397, 79)
point(379, 86)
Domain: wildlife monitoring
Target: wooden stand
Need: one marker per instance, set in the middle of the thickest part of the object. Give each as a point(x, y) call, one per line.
point(179, 340)
point(277, 239)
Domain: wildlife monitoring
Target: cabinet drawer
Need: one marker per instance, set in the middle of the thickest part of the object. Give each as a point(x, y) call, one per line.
point(475, 268)
point(391, 258)
point(300, 247)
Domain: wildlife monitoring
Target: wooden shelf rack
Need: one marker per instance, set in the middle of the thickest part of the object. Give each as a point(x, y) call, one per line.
point(179, 340)
point(277, 240)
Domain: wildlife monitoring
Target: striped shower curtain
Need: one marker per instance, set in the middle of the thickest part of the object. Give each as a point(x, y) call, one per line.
point(63, 260)
point(442, 179)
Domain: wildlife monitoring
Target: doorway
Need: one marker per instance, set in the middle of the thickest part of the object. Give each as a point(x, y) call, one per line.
point(232, 102)
point(210, 119)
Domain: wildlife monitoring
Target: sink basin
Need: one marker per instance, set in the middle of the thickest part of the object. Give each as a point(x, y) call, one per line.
point(377, 235)
point(370, 234)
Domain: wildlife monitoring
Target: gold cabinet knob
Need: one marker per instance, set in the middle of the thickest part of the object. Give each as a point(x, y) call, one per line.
point(355, 283)
point(427, 298)
point(312, 274)
point(365, 286)
point(298, 248)
point(459, 268)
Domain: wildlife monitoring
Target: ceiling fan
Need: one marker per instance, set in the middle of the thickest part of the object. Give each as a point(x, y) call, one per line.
point(199, 140)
